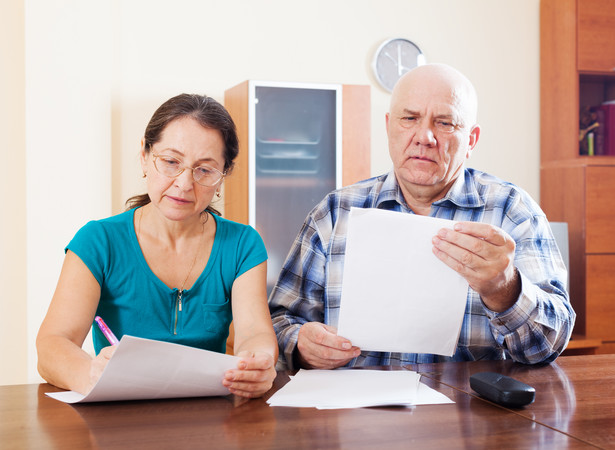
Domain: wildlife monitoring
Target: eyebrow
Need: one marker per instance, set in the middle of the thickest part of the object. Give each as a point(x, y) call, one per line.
point(450, 116)
point(178, 153)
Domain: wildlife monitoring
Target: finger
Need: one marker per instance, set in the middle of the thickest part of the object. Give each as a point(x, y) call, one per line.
point(249, 375)
point(458, 257)
point(252, 361)
point(325, 335)
point(326, 358)
point(483, 231)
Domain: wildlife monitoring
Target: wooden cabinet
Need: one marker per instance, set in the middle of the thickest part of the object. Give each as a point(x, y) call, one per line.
point(596, 40)
point(577, 70)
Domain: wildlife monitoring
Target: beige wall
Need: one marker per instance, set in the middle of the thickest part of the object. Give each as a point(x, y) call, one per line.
point(13, 335)
point(95, 71)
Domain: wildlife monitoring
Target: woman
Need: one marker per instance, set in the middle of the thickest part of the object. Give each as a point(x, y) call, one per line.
point(169, 268)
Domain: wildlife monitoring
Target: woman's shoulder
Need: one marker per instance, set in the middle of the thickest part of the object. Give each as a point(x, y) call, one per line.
point(235, 231)
point(109, 225)
point(231, 226)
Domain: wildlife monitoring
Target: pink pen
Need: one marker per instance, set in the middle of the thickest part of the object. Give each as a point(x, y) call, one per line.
point(106, 331)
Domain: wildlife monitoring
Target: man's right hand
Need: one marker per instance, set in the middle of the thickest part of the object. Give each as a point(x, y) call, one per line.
point(320, 347)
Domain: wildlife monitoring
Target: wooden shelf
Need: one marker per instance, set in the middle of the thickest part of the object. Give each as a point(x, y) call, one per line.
point(580, 345)
point(577, 45)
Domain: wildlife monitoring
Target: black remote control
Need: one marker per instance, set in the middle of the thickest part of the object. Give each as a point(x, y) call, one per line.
point(501, 389)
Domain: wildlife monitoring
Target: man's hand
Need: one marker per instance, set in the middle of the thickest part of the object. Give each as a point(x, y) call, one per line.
point(484, 255)
point(320, 347)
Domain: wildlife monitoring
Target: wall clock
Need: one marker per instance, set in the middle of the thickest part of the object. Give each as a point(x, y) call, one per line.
point(394, 58)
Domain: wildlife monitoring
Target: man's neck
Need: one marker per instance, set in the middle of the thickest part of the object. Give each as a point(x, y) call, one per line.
point(420, 198)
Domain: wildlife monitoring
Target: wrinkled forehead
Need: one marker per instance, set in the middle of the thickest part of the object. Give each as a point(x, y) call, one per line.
point(439, 93)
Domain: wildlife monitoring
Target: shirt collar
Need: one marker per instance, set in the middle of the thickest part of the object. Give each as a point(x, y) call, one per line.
point(463, 193)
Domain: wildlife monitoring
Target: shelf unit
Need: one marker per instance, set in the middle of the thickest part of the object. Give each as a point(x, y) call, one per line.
point(577, 42)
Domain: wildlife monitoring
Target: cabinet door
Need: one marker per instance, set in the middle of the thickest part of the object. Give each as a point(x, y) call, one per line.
point(600, 297)
point(599, 208)
point(596, 39)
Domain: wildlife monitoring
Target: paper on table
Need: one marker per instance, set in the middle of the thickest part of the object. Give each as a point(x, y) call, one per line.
point(147, 369)
point(397, 296)
point(330, 389)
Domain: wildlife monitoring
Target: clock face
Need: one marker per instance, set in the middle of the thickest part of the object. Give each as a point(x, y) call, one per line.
point(394, 58)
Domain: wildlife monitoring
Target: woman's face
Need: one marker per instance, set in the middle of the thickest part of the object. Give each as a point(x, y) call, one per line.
point(184, 139)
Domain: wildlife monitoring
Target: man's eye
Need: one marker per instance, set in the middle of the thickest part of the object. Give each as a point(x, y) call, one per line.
point(445, 125)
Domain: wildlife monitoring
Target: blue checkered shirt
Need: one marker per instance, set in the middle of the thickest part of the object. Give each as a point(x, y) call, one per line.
point(535, 329)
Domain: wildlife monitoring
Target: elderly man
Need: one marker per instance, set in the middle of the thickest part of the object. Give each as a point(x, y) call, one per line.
point(517, 305)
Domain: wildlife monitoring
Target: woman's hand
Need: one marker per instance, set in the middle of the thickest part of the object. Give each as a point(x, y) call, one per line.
point(98, 364)
point(254, 374)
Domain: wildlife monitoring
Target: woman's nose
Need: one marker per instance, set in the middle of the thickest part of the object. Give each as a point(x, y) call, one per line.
point(185, 180)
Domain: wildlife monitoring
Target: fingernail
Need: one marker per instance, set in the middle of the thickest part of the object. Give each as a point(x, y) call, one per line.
point(242, 365)
point(346, 345)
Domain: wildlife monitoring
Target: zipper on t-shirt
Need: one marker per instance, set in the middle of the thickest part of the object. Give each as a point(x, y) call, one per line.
point(178, 309)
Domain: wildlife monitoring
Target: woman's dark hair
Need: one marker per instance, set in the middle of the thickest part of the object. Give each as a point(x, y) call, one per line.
point(206, 111)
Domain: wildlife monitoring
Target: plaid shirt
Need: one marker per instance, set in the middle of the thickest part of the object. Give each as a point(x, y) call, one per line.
point(535, 329)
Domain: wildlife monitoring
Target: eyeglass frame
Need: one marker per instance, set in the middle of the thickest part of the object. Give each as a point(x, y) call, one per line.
point(184, 167)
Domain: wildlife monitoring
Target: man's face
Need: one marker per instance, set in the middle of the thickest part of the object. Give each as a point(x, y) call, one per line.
point(431, 133)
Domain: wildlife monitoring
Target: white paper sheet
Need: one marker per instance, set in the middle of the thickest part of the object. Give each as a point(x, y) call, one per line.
point(397, 296)
point(147, 369)
point(332, 389)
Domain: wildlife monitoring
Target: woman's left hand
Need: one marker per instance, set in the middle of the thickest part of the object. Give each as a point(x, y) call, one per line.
point(254, 374)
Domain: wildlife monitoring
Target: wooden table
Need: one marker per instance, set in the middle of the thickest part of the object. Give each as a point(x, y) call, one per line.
point(575, 395)
point(574, 408)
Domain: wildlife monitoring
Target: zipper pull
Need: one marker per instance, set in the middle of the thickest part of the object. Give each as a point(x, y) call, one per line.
point(179, 301)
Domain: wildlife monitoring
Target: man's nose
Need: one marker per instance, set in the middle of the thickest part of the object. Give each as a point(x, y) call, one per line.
point(425, 134)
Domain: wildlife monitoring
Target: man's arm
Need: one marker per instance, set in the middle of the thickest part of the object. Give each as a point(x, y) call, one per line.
point(297, 305)
point(520, 282)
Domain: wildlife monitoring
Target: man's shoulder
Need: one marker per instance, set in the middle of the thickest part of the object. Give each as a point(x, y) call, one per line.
point(361, 194)
point(498, 193)
point(490, 181)
point(337, 203)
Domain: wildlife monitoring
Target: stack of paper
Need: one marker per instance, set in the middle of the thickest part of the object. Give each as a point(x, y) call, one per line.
point(345, 388)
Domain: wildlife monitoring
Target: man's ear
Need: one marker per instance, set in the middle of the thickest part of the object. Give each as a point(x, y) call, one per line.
point(473, 139)
point(387, 118)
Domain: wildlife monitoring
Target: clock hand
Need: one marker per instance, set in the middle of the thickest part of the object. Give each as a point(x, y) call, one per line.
point(390, 57)
point(399, 65)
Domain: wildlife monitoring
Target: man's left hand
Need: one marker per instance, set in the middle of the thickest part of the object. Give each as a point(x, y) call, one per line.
point(484, 255)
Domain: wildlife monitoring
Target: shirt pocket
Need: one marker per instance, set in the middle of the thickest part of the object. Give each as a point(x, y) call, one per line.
point(217, 317)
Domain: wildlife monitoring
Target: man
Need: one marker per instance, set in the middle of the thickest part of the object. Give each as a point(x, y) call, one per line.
point(517, 305)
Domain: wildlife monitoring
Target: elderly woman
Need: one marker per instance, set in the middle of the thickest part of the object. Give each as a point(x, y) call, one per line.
point(169, 267)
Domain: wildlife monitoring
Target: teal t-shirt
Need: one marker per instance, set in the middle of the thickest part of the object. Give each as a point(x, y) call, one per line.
point(134, 301)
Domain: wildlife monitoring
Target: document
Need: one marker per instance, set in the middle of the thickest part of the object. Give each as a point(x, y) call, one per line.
point(397, 296)
point(146, 369)
point(355, 388)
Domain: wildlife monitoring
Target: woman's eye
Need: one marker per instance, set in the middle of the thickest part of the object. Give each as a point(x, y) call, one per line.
point(170, 161)
point(203, 171)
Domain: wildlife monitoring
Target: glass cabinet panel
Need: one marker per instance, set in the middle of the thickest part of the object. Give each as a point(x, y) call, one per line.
point(294, 165)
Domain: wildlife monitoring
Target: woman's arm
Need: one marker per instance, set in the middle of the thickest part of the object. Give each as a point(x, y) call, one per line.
point(255, 341)
point(61, 361)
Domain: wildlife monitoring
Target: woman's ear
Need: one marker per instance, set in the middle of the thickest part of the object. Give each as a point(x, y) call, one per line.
point(143, 157)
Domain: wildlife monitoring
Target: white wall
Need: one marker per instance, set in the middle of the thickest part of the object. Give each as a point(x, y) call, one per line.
point(95, 72)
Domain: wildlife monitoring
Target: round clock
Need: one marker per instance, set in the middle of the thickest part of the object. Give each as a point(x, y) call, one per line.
point(394, 58)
